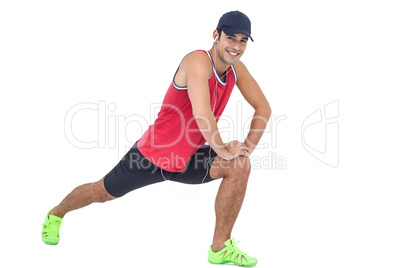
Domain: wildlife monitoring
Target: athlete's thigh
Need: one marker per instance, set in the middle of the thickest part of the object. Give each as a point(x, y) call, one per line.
point(132, 172)
point(197, 168)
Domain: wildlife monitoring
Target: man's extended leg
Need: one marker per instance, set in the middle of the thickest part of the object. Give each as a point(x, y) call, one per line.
point(132, 172)
point(82, 196)
point(230, 195)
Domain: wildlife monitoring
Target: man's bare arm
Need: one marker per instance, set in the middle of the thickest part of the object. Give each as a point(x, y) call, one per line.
point(251, 91)
point(198, 68)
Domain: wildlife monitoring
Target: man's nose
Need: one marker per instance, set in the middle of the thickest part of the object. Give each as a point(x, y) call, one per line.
point(237, 45)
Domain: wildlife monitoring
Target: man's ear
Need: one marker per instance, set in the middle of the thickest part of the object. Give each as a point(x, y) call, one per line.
point(215, 35)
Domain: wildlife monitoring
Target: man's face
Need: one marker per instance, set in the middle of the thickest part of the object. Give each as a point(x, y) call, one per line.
point(231, 47)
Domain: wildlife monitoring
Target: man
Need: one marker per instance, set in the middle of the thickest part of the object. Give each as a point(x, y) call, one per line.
point(173, 147)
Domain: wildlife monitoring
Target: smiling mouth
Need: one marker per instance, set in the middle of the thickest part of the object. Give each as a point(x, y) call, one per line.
point(232, 54)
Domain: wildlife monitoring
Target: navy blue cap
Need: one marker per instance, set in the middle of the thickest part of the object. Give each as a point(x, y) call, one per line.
point(235, 22)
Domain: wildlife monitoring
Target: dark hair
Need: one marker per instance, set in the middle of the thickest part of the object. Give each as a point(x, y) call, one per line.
point(219, 32)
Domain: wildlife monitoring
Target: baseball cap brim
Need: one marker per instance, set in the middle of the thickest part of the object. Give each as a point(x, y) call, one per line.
point(232, 31)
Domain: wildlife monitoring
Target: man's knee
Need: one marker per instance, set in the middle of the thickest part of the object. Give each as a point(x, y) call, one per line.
point(100, 195)
point(238, 167)
point(241, 167)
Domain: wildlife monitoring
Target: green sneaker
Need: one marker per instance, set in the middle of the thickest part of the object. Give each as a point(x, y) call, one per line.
point(50, 231)
point(231, 253)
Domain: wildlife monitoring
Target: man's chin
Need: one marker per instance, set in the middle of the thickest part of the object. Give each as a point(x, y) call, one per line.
point(232, 61)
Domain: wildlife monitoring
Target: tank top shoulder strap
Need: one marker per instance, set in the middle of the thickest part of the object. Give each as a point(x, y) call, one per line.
point(230, 69)
point(185, 88)
point(234, 73)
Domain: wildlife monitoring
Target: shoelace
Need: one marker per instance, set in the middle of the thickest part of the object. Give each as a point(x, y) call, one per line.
point(235, 249)
point(237, 255)
point(53, 228)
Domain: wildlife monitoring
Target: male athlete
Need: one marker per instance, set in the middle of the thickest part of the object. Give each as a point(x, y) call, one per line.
point(173, 147)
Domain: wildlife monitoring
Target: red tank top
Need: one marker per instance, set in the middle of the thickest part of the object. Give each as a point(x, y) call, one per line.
point(175, 137)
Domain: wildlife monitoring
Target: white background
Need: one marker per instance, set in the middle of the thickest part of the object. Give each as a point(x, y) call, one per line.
point(54, 55)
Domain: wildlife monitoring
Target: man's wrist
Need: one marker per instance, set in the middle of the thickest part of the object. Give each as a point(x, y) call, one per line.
point(222, 152)
point(250, 149)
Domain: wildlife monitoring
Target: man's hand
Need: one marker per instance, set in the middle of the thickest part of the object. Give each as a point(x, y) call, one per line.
point(234, 149)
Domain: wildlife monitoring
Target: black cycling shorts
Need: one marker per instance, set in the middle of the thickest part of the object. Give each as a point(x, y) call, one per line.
point(135, 171)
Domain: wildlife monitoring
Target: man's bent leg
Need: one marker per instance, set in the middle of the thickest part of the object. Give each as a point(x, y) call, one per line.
point(82, 196)
point(230, 195)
